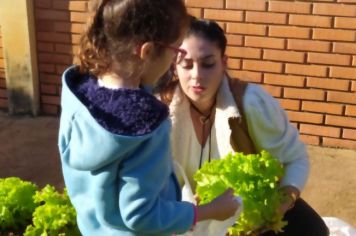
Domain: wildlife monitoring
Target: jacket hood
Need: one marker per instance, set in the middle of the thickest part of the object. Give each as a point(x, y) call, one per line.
point(100, 125)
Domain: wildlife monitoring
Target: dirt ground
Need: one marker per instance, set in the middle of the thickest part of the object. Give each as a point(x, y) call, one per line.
point(28, 149)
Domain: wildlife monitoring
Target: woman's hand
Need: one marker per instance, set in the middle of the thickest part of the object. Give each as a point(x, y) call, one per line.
point(291, 194)
point(221, 208)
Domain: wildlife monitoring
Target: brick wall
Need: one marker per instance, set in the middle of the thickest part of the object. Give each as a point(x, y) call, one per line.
point(302, 52)
point(3, 95)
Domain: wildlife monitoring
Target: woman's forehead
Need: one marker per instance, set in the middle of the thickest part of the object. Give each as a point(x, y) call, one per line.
point(199, 47)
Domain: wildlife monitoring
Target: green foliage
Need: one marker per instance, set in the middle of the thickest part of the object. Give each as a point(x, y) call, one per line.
point(255, 178)
point(45, 212)
point(55, 215)
point(16, 203)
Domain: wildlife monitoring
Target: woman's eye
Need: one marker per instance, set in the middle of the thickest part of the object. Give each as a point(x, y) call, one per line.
point(186, 65)
point(208, 65)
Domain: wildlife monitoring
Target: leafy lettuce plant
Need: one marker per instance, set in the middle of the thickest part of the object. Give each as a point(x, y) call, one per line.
point(255, 178)
point(16, 203)
point(55, 215)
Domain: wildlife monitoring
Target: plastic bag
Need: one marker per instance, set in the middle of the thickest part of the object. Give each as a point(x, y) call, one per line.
point(207, 227)
point(338, 227)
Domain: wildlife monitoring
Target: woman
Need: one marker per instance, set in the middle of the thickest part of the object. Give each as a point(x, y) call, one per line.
point(213, 115)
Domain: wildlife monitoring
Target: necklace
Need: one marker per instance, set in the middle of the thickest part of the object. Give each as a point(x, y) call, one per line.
point(204, 119)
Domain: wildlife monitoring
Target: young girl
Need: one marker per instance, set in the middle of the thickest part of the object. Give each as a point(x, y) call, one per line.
point(114, 135)
point(213, 114)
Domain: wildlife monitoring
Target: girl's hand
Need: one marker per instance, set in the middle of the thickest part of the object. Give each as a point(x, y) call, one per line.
point(291, 194)
point(221, 208)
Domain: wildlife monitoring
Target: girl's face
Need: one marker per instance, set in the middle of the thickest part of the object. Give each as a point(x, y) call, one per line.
point(158, 65)
point(201, 71)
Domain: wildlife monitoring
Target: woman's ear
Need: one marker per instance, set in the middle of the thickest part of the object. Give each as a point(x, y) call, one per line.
point(224, 61)
point(146, 50)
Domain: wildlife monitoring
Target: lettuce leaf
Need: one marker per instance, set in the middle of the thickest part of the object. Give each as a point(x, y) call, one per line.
point(255, 178)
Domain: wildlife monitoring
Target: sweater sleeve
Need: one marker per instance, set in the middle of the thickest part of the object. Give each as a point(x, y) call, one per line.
point(149, 192)
point(271, 130)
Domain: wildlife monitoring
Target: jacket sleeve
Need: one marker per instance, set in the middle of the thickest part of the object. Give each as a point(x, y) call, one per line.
point(271, 130)
point(148, 192)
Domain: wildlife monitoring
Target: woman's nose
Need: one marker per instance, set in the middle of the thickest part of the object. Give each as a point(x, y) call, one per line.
point(196, 72)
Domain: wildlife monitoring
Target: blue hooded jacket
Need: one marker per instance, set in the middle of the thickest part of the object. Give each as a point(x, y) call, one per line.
point(116, 161)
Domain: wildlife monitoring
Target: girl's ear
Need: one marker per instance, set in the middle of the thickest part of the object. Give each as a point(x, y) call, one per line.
point(146, 50)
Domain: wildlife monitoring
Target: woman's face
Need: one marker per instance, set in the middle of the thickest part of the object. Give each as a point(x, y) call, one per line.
point(201, 71)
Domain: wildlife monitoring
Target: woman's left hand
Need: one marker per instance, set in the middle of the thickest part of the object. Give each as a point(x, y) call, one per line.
point(291, 194)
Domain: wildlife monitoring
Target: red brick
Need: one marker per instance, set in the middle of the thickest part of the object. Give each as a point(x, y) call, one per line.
point(289, 104)
point(54, 58)
point(2, 63)
point(322, 107)
point(347, 48)
point(342, 97)
point(289, 32)
point(275, 91)
point(329, 59)
point(325, 131)
point(53, 100)
point(43, 3)
point(81, 17)
point(347, 1)
point(266, 66)
point(53, 37)
point(353, 86)
point(205, 4)
point(3, 93)
point(334, 9)
point(343, 72)
point(47, 68)
point(66, 48)
point(310, 70)
point(44, 26)
point(305, 117)
point(345, 22)
point(308, 45)
point(329, 84)
point(48, 89)
point(257, 5)
point(350, 110)
point(234, 63)
point(291, 7)
point(264, 42)
point(233, 39)
point(2, 83)
point(354, 60)
point(65, 27)
point(334, 34)
point(1, 53)
point(50, 78)
point(266, 17)
point(349, 134)
point(197, 12)
point(70, 5)
point(52, 15)
point(223, 15)
point(284, 80)
point(45, 47)
point(50, 109)
point(310, 20)
point(341, 121)
point(248, 76)
point(75, 38)
point(4, 103)
point(243, 52)
point(249, 29)
point(333, 142)
point(304, 94)
point(60, 69)
point(283, 55)
point(310, 139)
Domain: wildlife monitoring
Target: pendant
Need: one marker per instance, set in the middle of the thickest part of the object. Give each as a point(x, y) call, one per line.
point(203, 119)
